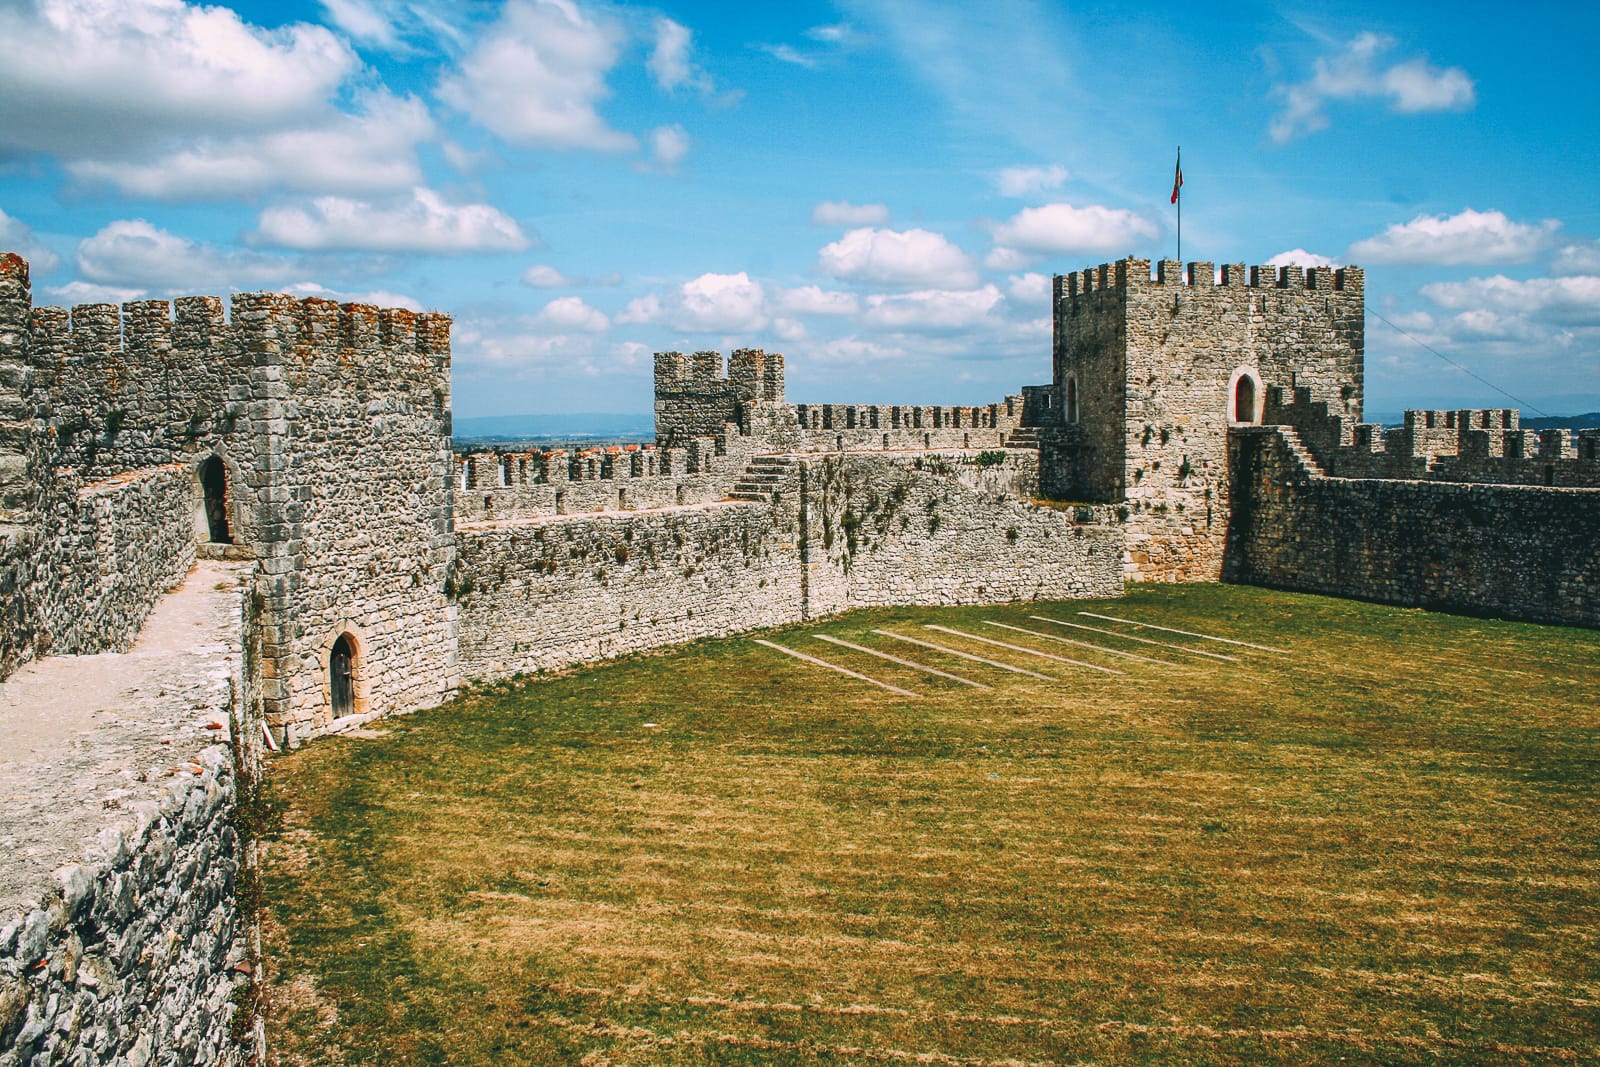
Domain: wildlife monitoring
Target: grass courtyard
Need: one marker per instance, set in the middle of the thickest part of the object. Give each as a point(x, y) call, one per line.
point(1382, 847)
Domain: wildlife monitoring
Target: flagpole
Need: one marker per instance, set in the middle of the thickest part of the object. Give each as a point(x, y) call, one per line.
point(1178, 193)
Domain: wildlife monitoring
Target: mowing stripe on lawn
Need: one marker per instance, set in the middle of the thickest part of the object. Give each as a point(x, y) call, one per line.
point(903, 662)
point(966, 655)
point(1083, 644)
point(1187, 633)
point(1023, 649)
point(836, 667)
point(1141, 640)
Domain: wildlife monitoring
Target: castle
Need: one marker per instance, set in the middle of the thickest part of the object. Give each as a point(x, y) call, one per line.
point(1200, 424)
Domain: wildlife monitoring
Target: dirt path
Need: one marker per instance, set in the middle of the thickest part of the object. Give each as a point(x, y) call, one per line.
point(83, 739)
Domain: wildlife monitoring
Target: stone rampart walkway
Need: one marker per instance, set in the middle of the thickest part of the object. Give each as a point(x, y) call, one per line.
point(86, 739)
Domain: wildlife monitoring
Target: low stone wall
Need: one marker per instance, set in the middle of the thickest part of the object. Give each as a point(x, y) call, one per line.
point(845, 531)
point(1519, 551)
point(550, 592)
point(127, 961)
point(85, 577)
point(130, 539)
point(944, 528)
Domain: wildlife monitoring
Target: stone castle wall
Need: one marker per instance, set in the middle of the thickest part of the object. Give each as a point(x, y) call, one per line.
point(551, 592)
point(114, 549)
point(1148, 371)
point(122, 938)
point(1519, 551)
point(940, 529)
point(84, 553)
point(1471, 445)
point(332, 424)
point(694, 398)
point(837, 532)
point(496, 485)
point(129, 960)
point(349, 427)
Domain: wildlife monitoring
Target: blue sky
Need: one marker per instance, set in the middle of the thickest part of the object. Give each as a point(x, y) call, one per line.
point(879, 189)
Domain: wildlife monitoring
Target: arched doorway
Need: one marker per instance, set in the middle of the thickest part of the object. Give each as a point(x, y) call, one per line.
point(1245, 399)
point(341, 676)
point(214, 485)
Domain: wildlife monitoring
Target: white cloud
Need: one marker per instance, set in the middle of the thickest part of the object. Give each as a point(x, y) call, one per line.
point(18, 238)
point(84, 73)
point(1059, 229)
point(1300, 257)
point(133, 254)
point(788, 329)
point(1572, 300)
point(1007, 259)
point(362, 20)
point(671, 63)
point(669, 144)
point(814, 300)
point(544, 276)
point(1451, 240)
point(786, 53)
point(527, 343)
point(932, 310)
point(894, 257)
point(168, 100)
point(80, 292)
point(424, 222)
point(1355, 73)
point(719, 303)
point(372, 150)
point(1578, 257)
point(537, 76)
point(855, 351)
point(844, 213)
point(569, 313)
point(641, 309)
point(827, 42)
point(1031, 288)
point(1023, 181)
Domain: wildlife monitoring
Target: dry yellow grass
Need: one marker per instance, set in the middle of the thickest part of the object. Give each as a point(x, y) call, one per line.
point(1379, 849)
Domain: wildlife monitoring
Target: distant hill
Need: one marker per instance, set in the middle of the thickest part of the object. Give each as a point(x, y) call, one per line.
point(1564, 422)
point(570, 424)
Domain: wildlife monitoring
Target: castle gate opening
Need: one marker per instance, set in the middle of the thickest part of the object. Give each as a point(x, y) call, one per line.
point(341, 677)
point(214, 485)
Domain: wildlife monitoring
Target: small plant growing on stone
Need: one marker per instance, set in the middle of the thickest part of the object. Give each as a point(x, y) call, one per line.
point(991, 458)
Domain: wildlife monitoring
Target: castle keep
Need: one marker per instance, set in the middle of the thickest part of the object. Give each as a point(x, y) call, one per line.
point(1198, 425)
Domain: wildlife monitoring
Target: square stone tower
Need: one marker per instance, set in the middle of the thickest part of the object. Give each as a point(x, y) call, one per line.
point(1150, 373)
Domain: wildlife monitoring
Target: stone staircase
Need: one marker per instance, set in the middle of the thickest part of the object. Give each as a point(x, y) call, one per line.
point(1298, 450)
point(1023, 437)
point(762, 478)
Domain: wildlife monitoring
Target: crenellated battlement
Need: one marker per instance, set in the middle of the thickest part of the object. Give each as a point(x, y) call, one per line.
point(694, 397)
point(502, 485)
point(1135, 274)
point(1462, 445)
point(123, 387)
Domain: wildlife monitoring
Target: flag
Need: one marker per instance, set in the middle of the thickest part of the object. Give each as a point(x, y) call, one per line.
point(1177, 178)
